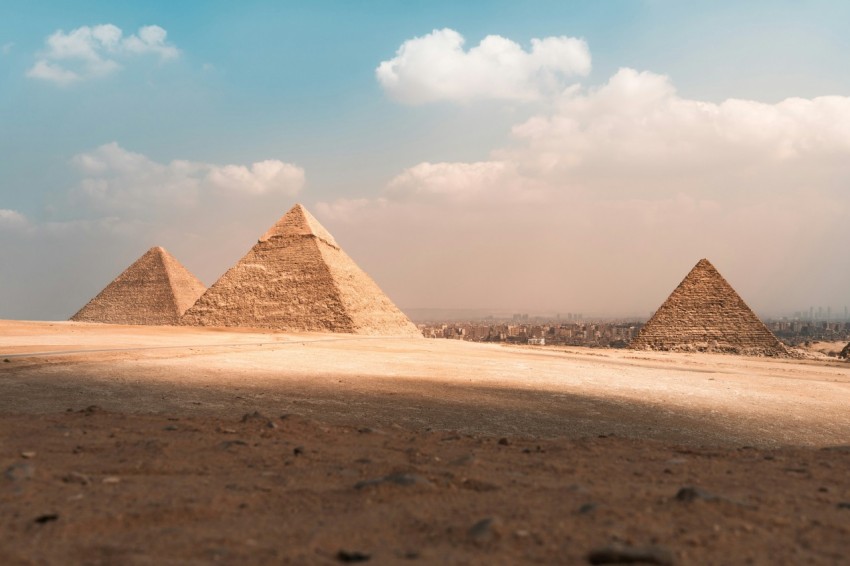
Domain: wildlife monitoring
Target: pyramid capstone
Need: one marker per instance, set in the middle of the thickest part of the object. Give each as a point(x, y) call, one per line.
point(156, 289)
point(297, 278)
point(704, 313)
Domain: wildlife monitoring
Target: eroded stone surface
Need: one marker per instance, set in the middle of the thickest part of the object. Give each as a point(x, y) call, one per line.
point(156, 289)
point(705, 313)
point(297, 278)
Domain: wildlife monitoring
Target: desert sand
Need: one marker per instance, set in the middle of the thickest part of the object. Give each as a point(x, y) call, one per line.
point(141, 445)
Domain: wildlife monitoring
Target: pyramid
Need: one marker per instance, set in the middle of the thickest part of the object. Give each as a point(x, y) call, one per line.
point(845, 353)
point(704, 313)
point(297, 278)
point(156, 289)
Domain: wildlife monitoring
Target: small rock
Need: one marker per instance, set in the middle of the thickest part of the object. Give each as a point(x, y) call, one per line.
point(47, 518)
point(111, 480)
point(171, 427)
point(18, 472)
point(619, 554)
point(587, 508)
point(76, 477)
point(91, 410)
point(353, 556)
point(228, 443)
point(486, 530)
point(298, 450)
point(28, 455)
point(504, 442)
point(689, 493)
point(397, 479)
point(6, 360)
point(844, 505)
point(255, 416)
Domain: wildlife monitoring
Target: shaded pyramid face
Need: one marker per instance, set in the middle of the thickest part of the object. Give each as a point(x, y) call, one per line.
point(704, 313)
point(156, 289)
point(297, 278)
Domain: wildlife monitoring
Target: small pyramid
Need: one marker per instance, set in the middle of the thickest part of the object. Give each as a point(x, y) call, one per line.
point(156, 289)
point(704, 313)
point(297, 278)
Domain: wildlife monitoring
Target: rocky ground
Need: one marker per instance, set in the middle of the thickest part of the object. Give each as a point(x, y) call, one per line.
point(123, 445)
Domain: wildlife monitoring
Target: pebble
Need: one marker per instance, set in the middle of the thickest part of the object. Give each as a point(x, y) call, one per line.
point(587, 508)
point(298, 450)
point(486, 530)
point(353, 556)
point(397, 479)
point(255, 416)
point(111, 480)
point(28, 455)
point(504, 442)
point(844, 505)
point(690, 493)
point(47, 518)
point(77, 477)
point(619, 554)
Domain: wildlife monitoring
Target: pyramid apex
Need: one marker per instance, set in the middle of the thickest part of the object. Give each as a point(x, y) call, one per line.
point(299, 222)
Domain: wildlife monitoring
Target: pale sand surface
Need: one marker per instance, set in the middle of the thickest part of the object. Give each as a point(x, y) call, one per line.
point(441, 384)
point(389, 451)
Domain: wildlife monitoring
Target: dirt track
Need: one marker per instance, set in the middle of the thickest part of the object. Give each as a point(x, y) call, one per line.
point(391, 450)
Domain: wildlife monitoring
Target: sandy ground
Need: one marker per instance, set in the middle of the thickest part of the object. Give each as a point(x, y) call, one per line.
point(598, 443)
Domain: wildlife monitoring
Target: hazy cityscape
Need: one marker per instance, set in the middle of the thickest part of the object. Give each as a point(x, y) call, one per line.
point(573, 329)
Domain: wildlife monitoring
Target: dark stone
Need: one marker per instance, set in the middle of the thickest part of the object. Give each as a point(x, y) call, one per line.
point(298, 450)
point(504, 442)
point(228, 443)
point(844, 505)
point(688, 494)
point(619, 554)
point(91, 409)
point(76, 477)
point(485, 529)
point(587, 508)
point(6, 360)
point(396, 479)
point(352, 556)
point(171, 427)
point(255, 416)
point(42, 519)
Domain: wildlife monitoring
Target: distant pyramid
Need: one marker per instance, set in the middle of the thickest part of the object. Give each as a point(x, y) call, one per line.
point(704, 313)
point(156, 289)
point(297, 278)
point(845, 353)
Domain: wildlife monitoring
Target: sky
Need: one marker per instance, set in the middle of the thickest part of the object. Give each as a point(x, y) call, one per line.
point(544, 157)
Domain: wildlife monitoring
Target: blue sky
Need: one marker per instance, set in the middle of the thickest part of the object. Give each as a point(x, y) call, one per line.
point(296, 83)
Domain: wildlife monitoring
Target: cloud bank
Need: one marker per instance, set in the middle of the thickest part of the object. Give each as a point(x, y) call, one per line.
point(95, 51)
point(603, 203)
point(436, 67)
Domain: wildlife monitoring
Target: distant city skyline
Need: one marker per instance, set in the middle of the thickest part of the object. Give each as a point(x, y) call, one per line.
point(534, 157)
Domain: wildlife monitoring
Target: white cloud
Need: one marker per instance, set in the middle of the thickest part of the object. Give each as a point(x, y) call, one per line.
point(603, 203)
point(115, 179)
point(94, 51)
point(12, 219)
point(435, 67)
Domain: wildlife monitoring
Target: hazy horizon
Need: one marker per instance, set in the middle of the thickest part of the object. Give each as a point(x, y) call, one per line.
point(543, 157)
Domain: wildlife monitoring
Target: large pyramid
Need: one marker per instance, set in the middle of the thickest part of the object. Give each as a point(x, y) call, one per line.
point(297, 278)
point(704, 313)
point(156, 289)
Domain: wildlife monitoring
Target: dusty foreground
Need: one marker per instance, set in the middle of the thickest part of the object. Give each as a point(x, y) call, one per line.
point(411, 451)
